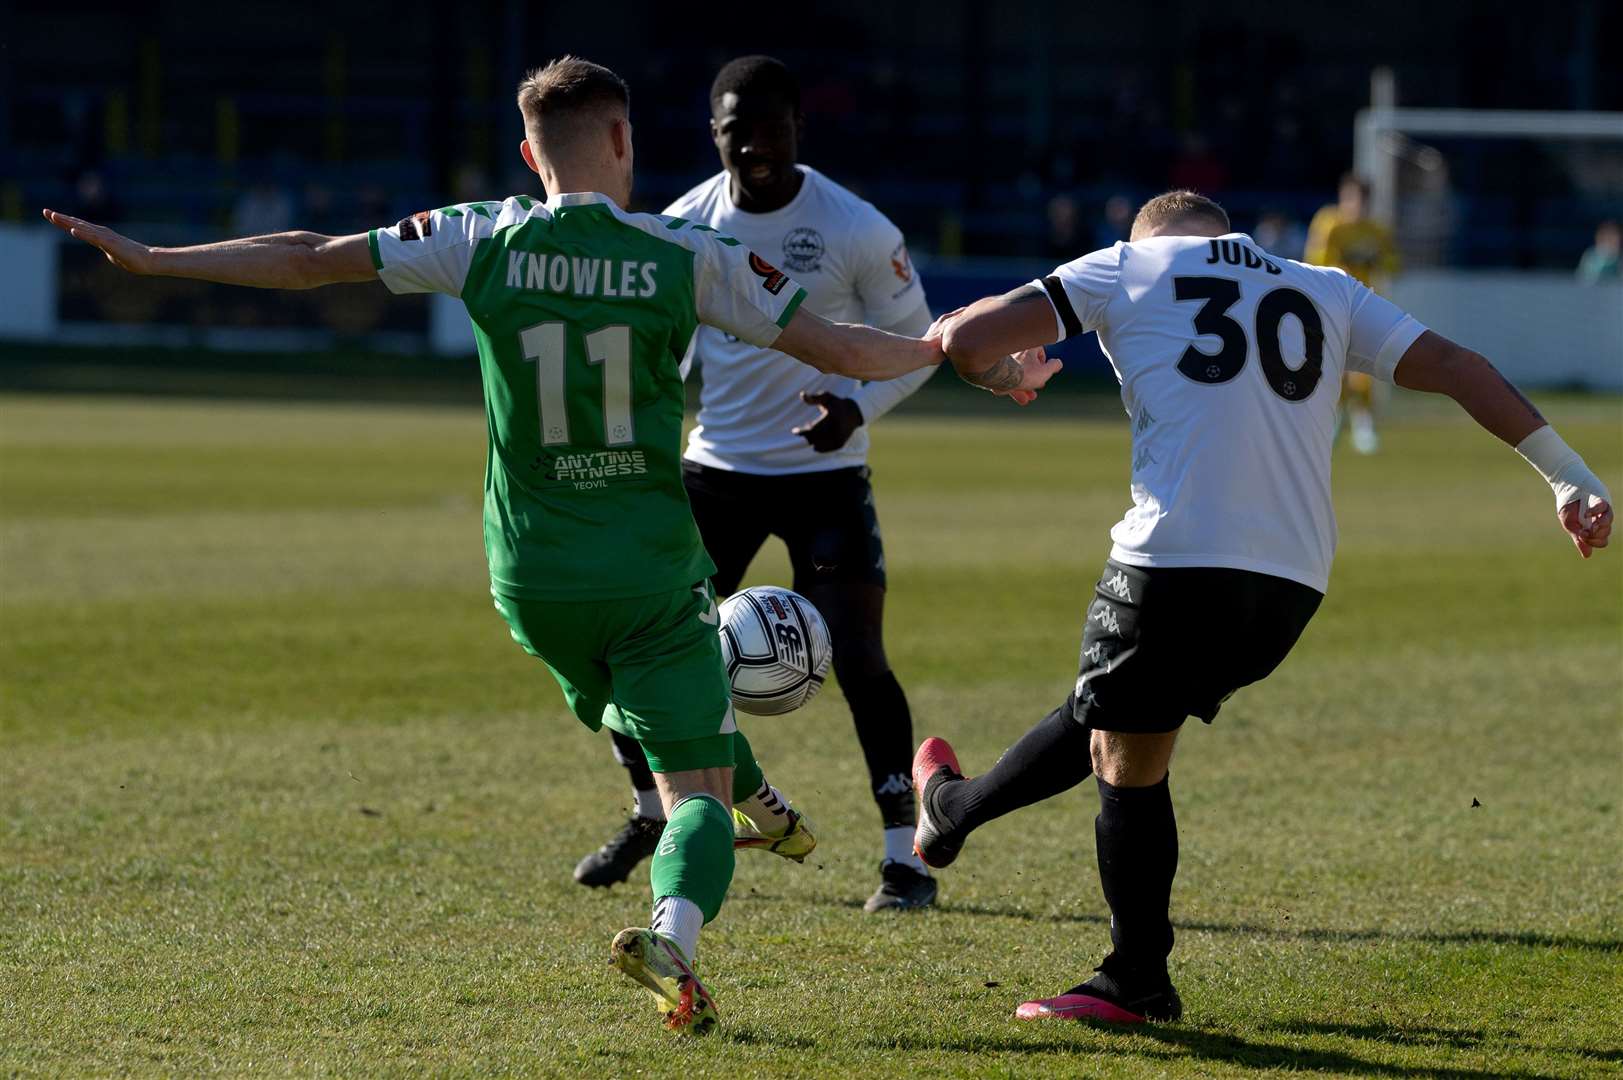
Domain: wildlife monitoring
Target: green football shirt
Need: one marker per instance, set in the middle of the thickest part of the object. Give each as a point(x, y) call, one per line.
point(582, 314)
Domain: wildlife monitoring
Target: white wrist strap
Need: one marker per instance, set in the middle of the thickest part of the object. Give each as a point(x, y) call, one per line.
point(1561, 466)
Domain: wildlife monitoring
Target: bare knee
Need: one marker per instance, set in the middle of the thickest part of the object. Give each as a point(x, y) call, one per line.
point(676, 786)
point(1124, 760)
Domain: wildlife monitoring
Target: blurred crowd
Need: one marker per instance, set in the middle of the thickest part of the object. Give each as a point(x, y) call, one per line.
point(1033, 132)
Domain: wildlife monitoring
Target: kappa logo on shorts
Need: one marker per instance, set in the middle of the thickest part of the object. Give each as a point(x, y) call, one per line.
point(772, 279)
point(1106, 617)
point(1117, 583)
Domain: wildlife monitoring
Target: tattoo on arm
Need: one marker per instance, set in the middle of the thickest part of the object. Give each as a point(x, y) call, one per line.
point(1005, 374)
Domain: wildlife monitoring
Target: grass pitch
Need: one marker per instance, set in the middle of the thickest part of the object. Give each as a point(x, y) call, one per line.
point(279, 796)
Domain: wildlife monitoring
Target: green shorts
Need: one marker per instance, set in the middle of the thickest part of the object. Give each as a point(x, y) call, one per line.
point(648, 667)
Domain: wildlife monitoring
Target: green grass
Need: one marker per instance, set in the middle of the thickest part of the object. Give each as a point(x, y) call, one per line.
point(278, 794)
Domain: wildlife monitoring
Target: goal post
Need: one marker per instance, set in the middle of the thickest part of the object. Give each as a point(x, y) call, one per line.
point(1491, 210)
point(1409, 179)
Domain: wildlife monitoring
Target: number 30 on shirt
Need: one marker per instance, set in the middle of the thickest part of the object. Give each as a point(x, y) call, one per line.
point(547, 345)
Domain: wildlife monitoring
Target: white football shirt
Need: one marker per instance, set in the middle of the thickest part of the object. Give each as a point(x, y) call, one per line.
point(854, 266)
point(1230, 362)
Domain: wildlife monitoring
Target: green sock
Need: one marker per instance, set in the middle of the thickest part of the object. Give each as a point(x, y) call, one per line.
point(747, 778)
point(695, 855)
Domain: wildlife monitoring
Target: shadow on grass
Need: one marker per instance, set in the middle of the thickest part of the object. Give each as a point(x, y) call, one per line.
point(1431, 1036)
point(1234, 1050)
point(1526, 938)
point(1180, 1044)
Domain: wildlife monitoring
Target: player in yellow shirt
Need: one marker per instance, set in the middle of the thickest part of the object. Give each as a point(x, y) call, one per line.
point(1345, 236)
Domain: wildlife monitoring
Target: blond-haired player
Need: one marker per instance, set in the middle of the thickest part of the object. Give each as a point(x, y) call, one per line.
point(582, 313)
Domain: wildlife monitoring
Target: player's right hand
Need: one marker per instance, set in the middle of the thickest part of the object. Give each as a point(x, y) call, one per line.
point(120, 250)
point(939, 327)
point(1588, 520)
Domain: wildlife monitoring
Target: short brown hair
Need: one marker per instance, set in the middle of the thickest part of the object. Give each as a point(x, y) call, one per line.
point(568, 86)
point(1176, 206)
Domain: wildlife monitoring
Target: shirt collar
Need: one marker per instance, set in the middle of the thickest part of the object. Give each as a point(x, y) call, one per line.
point(575, 198)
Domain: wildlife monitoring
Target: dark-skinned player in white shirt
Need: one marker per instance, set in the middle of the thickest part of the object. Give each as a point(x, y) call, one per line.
point(781, 450)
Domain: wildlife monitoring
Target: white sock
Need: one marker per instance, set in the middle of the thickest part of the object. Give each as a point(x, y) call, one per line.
point(680, 920)
point(768, 809)
point(899, 848)
point(648, 804)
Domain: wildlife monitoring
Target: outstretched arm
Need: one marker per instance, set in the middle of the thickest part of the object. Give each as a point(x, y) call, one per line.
point(1437, 365)
point(861, 352)
point(997, 343)
point(290, 260)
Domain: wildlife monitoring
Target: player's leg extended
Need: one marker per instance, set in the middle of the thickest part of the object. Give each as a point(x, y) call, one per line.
point(691, 872)
point(763, 818)
point(1051, 758)
point(732, 533)
point(1054, 756)
point(671, 694)
point(1196, 636)
point(838, 555)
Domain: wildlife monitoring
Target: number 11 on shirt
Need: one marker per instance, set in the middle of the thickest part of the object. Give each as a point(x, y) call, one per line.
point(547, 344)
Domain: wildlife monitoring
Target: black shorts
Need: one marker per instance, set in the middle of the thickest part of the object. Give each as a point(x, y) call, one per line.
point(827, 520)
point(1162, 644)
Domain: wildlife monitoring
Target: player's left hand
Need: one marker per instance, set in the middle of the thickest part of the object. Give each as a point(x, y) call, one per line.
point(120, 250)
point(837, 420)
point(1036, 368)
point(1588, 520)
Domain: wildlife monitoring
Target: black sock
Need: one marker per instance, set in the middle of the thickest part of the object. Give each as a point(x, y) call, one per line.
point(629, 753)
point(885, 730)
point(1050, 758)
point(1137, 838)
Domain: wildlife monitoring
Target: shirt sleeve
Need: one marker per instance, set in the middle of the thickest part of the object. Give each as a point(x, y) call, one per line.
point(877, 398)
point(432, 250)
point(1081, 290)
point(1379, 334)
point(736, 290)
point(885, 279)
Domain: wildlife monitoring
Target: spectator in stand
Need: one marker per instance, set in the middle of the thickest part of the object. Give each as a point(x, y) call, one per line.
point(1600, 262)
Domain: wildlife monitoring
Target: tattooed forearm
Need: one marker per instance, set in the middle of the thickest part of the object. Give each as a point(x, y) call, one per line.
point(1005, 374)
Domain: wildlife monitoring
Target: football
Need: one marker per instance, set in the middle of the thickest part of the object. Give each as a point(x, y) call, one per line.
point(777, 649)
